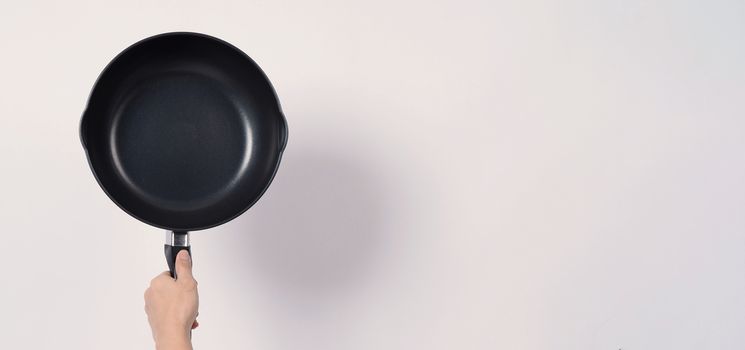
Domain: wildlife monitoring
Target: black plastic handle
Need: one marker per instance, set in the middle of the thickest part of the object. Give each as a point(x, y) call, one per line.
point(171, 253)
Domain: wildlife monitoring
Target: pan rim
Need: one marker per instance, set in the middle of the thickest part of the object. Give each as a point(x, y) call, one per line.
point(279, 114)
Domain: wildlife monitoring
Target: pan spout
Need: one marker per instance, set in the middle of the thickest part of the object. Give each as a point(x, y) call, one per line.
point(83, 128)
point(283, 131)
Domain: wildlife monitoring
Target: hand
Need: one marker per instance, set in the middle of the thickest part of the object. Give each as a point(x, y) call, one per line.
point(172, 306)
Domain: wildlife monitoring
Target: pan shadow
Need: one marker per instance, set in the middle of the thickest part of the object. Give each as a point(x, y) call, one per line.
point(317, 231)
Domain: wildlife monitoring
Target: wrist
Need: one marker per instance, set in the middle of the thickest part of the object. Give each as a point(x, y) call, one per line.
point(174, 341)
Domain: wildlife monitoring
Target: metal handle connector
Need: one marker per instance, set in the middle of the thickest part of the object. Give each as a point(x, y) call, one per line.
point(177, 239)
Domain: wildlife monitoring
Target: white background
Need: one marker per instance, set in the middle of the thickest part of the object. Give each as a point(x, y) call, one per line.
point(460, 175)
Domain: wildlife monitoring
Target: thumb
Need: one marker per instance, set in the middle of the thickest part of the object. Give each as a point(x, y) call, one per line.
point(183, 265)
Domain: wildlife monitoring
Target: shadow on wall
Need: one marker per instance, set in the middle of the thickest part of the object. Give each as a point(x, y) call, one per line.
point(317, 230)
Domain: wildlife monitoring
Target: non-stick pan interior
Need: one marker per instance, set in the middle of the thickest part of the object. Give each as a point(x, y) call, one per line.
point(183, 131)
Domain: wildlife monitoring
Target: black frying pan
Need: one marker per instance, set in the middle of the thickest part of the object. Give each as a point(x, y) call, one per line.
point(184, 132)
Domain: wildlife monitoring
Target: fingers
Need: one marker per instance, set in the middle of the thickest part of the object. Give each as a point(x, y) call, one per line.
point(196, 323)
point(159, 280)
point(162, 277)
point(183, 267)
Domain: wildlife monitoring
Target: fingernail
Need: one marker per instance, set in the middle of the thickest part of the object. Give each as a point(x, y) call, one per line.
point(183, 255)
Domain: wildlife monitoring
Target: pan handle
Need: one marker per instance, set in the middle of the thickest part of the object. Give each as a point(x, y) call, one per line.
point(176, 241)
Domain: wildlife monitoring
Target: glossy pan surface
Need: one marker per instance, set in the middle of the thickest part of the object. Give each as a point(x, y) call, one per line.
point(183, 131)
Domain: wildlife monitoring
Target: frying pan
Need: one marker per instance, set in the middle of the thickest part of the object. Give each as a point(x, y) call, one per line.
point(184, 132)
